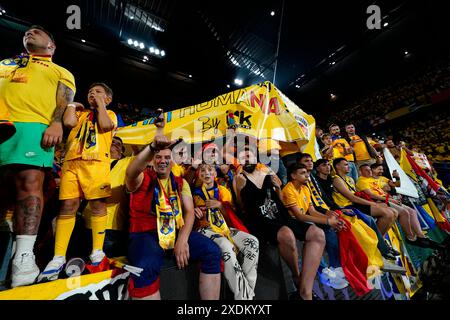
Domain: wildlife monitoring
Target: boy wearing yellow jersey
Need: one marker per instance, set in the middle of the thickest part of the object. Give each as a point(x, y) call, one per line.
point(34, 93)
point(85, 173)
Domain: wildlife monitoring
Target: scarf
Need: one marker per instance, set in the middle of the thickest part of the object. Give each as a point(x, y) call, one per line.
point(86, 137)
point(214, 216)
point(316, 195)
point(169, 214)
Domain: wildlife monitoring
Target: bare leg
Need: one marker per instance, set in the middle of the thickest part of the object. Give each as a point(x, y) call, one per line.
point(312, 253)
point(385, 218)
point(209, 286)
point(415, 224)
point(405, 222)
point(29, 201)
point(288, 250)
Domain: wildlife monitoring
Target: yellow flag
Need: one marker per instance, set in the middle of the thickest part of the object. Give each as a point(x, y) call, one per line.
point(406, 166)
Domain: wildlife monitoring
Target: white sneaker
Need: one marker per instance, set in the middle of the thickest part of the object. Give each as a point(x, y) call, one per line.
point(97, 257)
point(53, 268)
point(24, 270)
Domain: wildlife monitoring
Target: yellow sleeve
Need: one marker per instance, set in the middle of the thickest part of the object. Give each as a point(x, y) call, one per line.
point(67, 78)
point(113, 117)
point(186, 191)
point(225, 194)
point(289, 196)
point(362, 184)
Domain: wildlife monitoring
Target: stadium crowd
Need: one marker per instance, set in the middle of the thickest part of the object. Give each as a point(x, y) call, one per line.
point(215, 206)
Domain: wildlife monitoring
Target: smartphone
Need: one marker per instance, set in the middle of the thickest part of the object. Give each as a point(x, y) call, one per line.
point(156, 114)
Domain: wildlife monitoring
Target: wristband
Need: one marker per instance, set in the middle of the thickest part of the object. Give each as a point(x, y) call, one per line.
point(72, 105)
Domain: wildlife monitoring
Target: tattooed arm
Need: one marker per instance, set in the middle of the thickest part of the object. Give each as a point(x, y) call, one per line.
point(53, 134)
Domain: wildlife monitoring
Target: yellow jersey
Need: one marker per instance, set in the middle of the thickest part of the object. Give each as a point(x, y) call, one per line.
point(117, 204)
point(340, 200)
point(297, 197)
point(360, 149)
point(374, 185)
point(340, 145)
point(85, 142)
point(28, 86)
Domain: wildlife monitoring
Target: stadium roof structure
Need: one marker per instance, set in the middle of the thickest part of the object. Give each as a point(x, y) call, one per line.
point(172, 53)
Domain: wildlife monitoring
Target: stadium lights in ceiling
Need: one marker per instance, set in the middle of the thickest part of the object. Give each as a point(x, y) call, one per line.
point(157, 51)
point(131, 17)
point(333, 63)
point(136, 44)
point(297, 86)
point(190, 76)
point(238, 82)
point(130, 42)
point(272, 13)
point(82, 40)
point(228, 86)
point(406, 53)
point(141, 45)
point(385, 24)
point(163, 53)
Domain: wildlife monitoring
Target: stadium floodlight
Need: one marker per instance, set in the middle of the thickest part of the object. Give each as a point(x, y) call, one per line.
point(406, 53)
point(82, 40)
point(163, 53)
point(297, 86)
point(130, 41)
point(157, 51)
point(190, 76)
point(238, 82)
point(228, 86)
point(272, 13)
point(152, 50)
point(385, 24)
point(136, 44)
point(141, 45)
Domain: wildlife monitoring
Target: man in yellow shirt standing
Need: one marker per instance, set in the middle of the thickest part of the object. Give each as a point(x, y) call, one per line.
point(364, 153)
point(85, 173)
point(345, 150)
point(34, 93)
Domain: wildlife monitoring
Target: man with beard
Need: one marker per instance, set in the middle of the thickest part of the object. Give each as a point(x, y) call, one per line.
point(161, 220)
point(259, 195)
point(34, 93)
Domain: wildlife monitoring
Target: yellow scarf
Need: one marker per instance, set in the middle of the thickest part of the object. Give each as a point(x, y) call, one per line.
point(169, 213)
point(86, 137)
point(215, 217)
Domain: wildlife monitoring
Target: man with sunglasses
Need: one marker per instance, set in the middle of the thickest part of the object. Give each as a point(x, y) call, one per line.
point(34, 93)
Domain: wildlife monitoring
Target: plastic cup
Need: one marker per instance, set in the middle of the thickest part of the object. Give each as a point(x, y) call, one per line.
point(75, 267)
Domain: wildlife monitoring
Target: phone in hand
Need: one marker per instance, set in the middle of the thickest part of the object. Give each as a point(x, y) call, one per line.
point(156, 114)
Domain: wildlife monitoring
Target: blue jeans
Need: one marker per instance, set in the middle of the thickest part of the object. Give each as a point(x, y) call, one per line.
point(6, 243)
point(332, 247)
point(145, 252)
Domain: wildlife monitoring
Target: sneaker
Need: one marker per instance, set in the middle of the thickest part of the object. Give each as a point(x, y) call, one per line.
point(97, 257)
point(389, 256)
point(425, 243)
point(393, 268)
point(52, 269)
point(24, 270)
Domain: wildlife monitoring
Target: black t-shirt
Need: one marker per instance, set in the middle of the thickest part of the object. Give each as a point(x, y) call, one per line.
point(326, 189)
